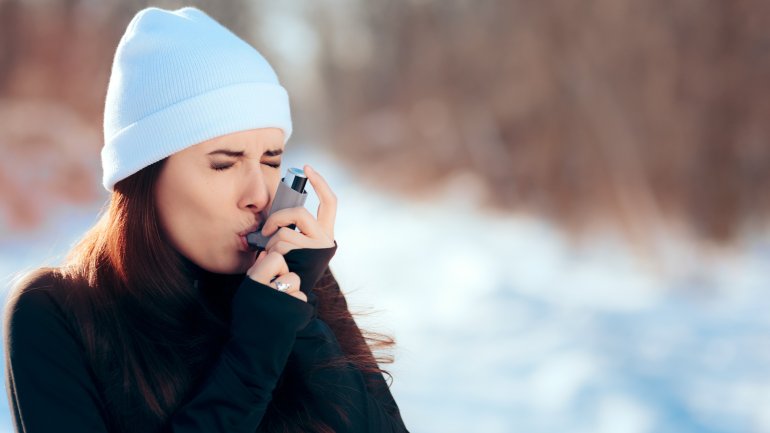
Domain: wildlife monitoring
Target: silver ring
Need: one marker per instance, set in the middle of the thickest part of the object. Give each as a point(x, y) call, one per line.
point(281, 286)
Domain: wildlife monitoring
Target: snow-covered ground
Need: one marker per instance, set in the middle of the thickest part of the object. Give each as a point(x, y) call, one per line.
point(503, 325)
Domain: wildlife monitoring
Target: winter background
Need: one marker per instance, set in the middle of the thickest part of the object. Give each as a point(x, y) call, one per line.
point(503, 326)
point(559, 212)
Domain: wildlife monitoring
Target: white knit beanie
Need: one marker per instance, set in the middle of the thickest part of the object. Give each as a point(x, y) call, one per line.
point(180, 78)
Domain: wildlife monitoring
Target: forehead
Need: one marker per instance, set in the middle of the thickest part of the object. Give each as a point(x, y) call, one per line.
point(252, 140)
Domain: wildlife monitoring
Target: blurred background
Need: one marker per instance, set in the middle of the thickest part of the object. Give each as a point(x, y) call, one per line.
point(558, 209)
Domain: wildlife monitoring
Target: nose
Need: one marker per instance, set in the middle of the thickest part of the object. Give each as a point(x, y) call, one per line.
point(255, 194)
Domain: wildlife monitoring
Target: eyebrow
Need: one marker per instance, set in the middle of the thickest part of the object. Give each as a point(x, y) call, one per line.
point(240, 153)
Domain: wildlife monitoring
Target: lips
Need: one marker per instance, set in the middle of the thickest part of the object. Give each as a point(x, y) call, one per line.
point(249, 230)
point(243, 244)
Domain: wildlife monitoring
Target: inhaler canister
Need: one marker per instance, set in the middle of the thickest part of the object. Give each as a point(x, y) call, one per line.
point(290, 193)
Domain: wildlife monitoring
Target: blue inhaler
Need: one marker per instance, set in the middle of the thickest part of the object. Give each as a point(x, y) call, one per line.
point(291, 193)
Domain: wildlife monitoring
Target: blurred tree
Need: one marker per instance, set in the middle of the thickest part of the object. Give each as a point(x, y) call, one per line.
point(640, 111)
point(8, 49)
point(633, 112)
point(55, 60)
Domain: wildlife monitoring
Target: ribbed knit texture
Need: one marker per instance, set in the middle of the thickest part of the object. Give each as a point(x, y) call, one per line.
point(179, 78)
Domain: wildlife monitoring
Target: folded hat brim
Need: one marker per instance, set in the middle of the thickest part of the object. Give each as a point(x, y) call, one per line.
point(192, 121)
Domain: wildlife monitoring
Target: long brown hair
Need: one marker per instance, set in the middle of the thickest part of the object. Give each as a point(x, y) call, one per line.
point(150, 336)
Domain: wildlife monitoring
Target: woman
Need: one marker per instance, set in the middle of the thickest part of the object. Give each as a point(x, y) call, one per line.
point(163, 319)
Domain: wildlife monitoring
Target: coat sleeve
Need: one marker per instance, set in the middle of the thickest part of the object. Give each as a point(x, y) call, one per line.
point(235, 395)
point(50, 388)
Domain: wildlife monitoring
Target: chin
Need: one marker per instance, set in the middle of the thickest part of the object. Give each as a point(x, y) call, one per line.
point(230, 267)
point(240, 266)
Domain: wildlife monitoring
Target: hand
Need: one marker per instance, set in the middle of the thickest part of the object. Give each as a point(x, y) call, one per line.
point(314, 233)
point(271, 267)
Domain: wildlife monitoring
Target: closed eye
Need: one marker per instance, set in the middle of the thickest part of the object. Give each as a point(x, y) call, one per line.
point(221, 167)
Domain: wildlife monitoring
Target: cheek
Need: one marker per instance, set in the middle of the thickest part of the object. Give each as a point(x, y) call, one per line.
point(192, 215)
point(271, 177)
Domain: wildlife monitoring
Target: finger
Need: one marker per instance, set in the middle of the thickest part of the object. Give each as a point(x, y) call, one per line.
point(278, 261)
point(288, 235)
point(271, 264)
point(299, 295)
point(282, 247)
point(291, 278)
point(293, 290)
point(327, 209)
point(275, 264)
point(293, 215)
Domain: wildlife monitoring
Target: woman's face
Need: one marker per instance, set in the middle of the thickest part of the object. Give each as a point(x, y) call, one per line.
point(211, 194)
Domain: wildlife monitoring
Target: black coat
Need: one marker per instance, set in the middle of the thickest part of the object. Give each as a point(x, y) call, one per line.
point(51, 387)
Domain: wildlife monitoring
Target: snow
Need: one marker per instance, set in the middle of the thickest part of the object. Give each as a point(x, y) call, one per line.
point(502, 324)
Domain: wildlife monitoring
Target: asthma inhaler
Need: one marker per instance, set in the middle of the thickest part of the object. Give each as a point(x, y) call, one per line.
point(291, 193)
